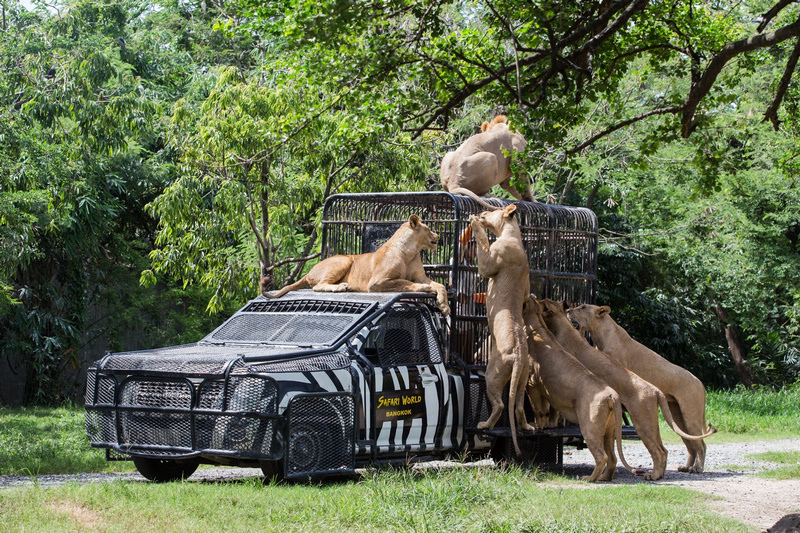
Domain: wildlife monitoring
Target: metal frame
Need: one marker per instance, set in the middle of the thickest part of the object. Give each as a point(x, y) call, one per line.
point(561, 243)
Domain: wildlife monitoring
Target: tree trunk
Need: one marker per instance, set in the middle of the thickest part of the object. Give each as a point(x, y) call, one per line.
point(735, 346)
point(264, 200)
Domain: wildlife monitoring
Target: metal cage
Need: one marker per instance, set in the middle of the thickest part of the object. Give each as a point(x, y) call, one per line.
point(561, 243)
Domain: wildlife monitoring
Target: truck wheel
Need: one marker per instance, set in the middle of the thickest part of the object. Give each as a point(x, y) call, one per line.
point(163, 470)
point(305, 447)
point(502, 450)
point(272, 470)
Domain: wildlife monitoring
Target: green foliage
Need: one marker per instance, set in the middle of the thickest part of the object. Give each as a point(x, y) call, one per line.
point(256, 169)
point(234, 123)
point(82, 124)
point(48, 441)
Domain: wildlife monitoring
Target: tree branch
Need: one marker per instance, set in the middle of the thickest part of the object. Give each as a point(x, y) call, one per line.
point(767, 17)
point(594, 138)
point(286, 260)
point(771, 113)
point(701, 88)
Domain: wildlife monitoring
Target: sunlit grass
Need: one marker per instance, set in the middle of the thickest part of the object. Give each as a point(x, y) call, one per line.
point(465, 500)
point(790, 459)
point(746, 415)
point(48, 441)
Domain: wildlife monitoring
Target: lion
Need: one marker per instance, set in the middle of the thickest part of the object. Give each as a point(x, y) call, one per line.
point(685, 394)
point(544, 415)
point(483, 161)
point(394, 267)
point(578, 395)
point(640, 398)
point(506, 265)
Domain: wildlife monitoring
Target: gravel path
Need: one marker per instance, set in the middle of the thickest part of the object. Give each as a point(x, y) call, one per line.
point(728, 475)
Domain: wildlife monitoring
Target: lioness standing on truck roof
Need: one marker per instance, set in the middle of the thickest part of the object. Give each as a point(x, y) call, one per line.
point(394, 267)
point(505, 263)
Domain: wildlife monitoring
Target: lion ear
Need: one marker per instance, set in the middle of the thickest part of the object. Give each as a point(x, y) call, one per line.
point(484, 126)
point(413, 221)
point(510, 210)
point(603, 310)
point(527, 303)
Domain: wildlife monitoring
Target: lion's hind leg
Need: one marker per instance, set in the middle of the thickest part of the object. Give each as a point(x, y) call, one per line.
point(596, 447)
point(497, 375)
point(695, 449)
point(327, 275)
point(608, 447)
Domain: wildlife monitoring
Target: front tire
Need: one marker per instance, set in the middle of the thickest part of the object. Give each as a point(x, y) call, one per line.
point(163, 470)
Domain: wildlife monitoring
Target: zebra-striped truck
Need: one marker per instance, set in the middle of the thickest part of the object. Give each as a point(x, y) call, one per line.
point(315, 384)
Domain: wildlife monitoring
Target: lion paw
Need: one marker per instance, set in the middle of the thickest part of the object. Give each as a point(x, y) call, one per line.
point(484, 425)
point(342, 287)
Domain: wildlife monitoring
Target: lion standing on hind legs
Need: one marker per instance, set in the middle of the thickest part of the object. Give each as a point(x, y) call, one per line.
point(580, 396)
point(483, 161)
point(685, 394)
point(506, 265)
point(394, 267)
point(640, 398)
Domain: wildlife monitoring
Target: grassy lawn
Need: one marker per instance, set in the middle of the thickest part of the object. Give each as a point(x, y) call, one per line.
point(749, 415)
point(475, 499)
point(791, 460)
point(43, 440)
point(39, 440)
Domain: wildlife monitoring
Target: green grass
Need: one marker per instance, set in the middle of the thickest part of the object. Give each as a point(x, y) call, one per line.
point(52, 440)
point(481, 499)
point(790, 459)
point(48, 441)
point(746, 415)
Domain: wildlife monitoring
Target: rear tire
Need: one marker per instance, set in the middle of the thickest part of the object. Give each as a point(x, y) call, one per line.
point(163, 470)
point(272, 470)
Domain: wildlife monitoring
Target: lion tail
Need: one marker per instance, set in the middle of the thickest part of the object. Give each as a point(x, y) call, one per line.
point(617, 406)
point(467, 192)
point(664, 404)
point(302, 283)
point(516, 375)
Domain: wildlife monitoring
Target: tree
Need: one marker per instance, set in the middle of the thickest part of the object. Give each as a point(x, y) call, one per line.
point(81, 118)
point(542, 60)
point(257, 167)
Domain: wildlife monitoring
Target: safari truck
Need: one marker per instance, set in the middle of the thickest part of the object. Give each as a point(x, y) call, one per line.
point(314, 384)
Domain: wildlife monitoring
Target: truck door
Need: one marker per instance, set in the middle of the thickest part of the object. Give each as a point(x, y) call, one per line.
point(411, 383)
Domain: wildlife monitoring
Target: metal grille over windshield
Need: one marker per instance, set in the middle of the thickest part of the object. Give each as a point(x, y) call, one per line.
point(291, 322)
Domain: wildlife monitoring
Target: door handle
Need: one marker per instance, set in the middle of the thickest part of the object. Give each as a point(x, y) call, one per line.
point(427, 379)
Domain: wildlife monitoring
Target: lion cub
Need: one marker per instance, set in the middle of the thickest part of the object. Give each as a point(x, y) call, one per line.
point(506, 265)
point(394, 267)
